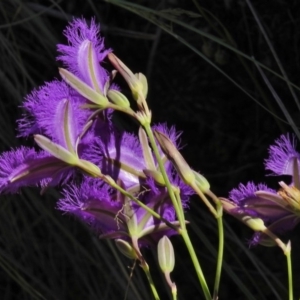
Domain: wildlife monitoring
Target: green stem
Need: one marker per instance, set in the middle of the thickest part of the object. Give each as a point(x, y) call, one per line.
point(220, 250)
point(141, 204)
point(286, 248)
point(145, 268)
point(179, 213)
point(196, 264)
point(289, 269)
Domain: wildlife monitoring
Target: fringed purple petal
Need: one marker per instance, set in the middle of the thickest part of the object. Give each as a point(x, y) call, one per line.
point(45, 113)
point(120, 150)
point(83, 38)
point(25, 167)
point(243, 192)
point(281, 156)
point(251, 204)
point(93, 203)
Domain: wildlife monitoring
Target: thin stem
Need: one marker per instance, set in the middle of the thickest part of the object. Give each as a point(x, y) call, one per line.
point(141, 204)
point(220, 250)
point(205, 200)
point(286, 248)
point(196, 264)
point(289, 269)
point(145, 268)
point(172, 285)
point(179, 214)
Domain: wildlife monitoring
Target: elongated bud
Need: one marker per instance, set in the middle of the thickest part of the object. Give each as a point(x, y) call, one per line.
point(135, 85)
point(83, 89)
point(147, 152)
point(143, 79)
point(89, 168)
point(126, 249)
point(256, 224)
point(89, 66)
point(201, 182)
point(166, 256)
point(169, 149)
point(156, 175)
point(56, 150)
point(118, 98)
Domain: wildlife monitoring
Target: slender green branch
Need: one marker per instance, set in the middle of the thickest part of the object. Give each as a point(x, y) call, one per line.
point(289, 269)
point(141, 204)
point(145, 268)
point(220, 250)
point(196, 264)
point(179, 214)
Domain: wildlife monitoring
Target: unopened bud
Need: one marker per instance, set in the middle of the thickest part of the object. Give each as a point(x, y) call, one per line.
point(89, 167)
point(166, 256)
point(118, 98)
point(255, 224)
point(156, 175)
point(201, 182)
point(143, 80)
point(126, 249)
point(170, 150)
point(133, 82)
point(83, 89)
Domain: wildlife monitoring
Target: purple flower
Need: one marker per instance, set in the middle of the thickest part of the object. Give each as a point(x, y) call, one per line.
point(114, 216)
point(54, 110)
point(283, 156)
point(45, 110)
point(280, 211)
point(26, 167)
point(122, 157)
point(260, 202)
point(84, 53)
point(72, 137)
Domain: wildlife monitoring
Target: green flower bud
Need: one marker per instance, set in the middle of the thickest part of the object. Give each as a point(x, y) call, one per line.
point(166, 257)
point(83, 89)
point(201, 182)
point(135, 85)
point(156, 175)
point(126, 249)
point(118, 98)
point(170, 150)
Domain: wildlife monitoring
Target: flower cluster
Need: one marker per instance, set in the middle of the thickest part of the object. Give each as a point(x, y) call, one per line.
point(83, 153)
point(276, 211)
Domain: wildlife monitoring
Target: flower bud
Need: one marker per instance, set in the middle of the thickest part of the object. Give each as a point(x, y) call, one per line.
point(256, 224)
point(156, 175)
point(201, 182)
point(126, 249)
point(89, 167)
point(135, 85)
point(56, 150)
point(143, 79)
point(118, 98)
point(170, 150)
point(166, 257)
point(83, 89)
